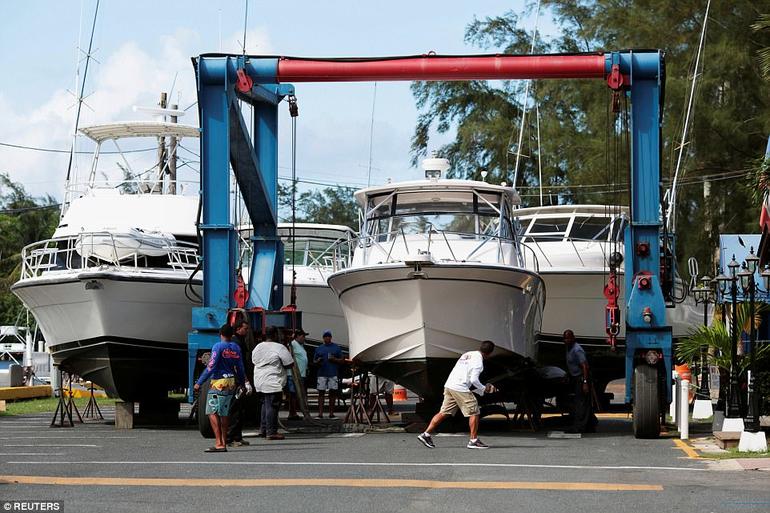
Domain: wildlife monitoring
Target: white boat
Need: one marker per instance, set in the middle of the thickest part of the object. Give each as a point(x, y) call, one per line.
point(437, 269)
point(313, 252)
point(573, 244)
point(113, 289)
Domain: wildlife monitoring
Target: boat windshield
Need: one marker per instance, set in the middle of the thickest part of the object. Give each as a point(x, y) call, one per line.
point(462, 212)
point(575, 227)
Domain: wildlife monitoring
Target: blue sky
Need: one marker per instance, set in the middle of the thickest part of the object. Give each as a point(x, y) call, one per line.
point(142, 46)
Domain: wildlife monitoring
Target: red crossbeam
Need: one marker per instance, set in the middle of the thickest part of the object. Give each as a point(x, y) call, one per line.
point(433, 67)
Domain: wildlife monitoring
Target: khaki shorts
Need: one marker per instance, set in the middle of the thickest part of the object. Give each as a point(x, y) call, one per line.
point(466, 402)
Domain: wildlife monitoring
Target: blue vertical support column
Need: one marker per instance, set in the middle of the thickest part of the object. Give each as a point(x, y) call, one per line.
point(646, 326)
point(219, 242)
point(267, 265)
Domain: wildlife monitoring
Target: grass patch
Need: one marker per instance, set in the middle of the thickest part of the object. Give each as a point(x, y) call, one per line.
point(733, 453)
point(46, 405)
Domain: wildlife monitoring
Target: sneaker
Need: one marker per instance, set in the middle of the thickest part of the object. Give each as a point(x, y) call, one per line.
point(426, 440)
point(477, 444)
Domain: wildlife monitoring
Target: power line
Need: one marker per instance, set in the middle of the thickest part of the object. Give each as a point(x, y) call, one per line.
point(56, 150)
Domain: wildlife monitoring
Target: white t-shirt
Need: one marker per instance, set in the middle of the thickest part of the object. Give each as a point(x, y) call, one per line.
point(269, 359)
point(465, 375)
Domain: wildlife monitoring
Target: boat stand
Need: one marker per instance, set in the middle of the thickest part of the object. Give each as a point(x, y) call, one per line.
point(62, 416)
point(376, 409)
point(92, 410)
point(359, 398)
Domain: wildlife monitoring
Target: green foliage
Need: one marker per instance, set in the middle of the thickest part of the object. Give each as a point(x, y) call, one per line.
point(22, 222)
point(331, 205)
point(728, 131)
point(717, 341)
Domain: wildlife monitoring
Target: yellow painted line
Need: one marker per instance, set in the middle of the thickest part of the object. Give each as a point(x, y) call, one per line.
point(341, 483)
point(686, 448)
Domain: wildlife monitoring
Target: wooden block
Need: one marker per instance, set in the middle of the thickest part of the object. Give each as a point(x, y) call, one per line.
point(124, 415)
point(2, 405)
point(727, 439)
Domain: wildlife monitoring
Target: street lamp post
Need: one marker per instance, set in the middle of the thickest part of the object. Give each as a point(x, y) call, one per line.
point(748, 285)
point(733, 410)
point(704, 295)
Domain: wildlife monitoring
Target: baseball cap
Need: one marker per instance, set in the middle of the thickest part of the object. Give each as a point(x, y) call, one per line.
point(299, 332)
point(327, 333)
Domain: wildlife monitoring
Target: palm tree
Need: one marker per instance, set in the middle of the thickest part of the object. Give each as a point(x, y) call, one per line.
point(718, 342)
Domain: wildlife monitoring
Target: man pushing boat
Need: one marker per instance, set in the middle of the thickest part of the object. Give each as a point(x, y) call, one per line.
point(459, 389)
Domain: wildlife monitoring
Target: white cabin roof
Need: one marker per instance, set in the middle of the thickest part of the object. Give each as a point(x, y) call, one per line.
point(432, 185)
point(316, 231)
point(100, 133)
point(108, 210)
point(568, 210)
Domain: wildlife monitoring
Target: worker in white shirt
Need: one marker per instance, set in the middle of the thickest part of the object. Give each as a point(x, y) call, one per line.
point(459, 391)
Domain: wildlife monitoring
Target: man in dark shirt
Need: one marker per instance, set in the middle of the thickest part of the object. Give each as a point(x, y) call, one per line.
point(238, 410)
point(583, 419)
point(327, 357)
point(225, 369)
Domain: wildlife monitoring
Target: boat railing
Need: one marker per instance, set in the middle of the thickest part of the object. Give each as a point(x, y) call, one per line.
point(534, 243)
point(507, 251)
point(77, 253)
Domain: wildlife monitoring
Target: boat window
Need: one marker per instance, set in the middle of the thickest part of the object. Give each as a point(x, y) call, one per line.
point(383, 205)
point(552, 225)
point(433, 202)
point(590, 228)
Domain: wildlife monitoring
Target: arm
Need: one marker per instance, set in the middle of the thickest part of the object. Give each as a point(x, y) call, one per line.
point(476, 385)
point(240, 371)
point(286, 360)
point(209, 367)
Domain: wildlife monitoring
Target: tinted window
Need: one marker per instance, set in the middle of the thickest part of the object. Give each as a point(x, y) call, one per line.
point(550, 225)
point(590, 228)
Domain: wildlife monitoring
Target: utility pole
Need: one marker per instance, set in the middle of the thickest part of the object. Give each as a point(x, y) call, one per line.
point(172, 158)
point(162, 156)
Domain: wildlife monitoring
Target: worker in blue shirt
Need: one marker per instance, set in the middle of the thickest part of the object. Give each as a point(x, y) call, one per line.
point(327, 357)
point(225, 369)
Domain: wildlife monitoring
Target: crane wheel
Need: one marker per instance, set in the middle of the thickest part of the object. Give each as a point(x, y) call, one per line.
point(646, 402)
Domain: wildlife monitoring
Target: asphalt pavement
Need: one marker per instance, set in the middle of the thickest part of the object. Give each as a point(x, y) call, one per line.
point(95, 467)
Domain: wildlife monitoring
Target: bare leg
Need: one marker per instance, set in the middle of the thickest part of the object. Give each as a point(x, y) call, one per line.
point(332, 402)
point(214, 420)
point(434, 422)
point(224, 423)
point(473, 423)
point(321, 400)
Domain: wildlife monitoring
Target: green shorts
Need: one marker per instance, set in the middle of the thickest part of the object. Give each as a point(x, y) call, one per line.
point(218, 403)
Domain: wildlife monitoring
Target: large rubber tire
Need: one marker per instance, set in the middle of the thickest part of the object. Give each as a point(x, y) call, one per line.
point(646, 402)
point(204, 426)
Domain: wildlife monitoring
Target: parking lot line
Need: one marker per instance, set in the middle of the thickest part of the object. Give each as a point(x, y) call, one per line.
point(341, 483)
point(263, 463)
point(686, 448)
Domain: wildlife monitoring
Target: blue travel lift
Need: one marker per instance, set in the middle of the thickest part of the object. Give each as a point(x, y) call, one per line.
point(223, 80)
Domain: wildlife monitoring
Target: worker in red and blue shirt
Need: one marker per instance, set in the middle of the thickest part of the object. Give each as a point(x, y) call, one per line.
point(225, 369)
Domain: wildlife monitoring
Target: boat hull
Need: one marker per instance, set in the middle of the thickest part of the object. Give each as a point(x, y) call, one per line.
point(413, 323)
point(125, 331)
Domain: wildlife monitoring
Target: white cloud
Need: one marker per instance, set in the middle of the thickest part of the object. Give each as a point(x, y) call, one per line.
point(128, 76)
